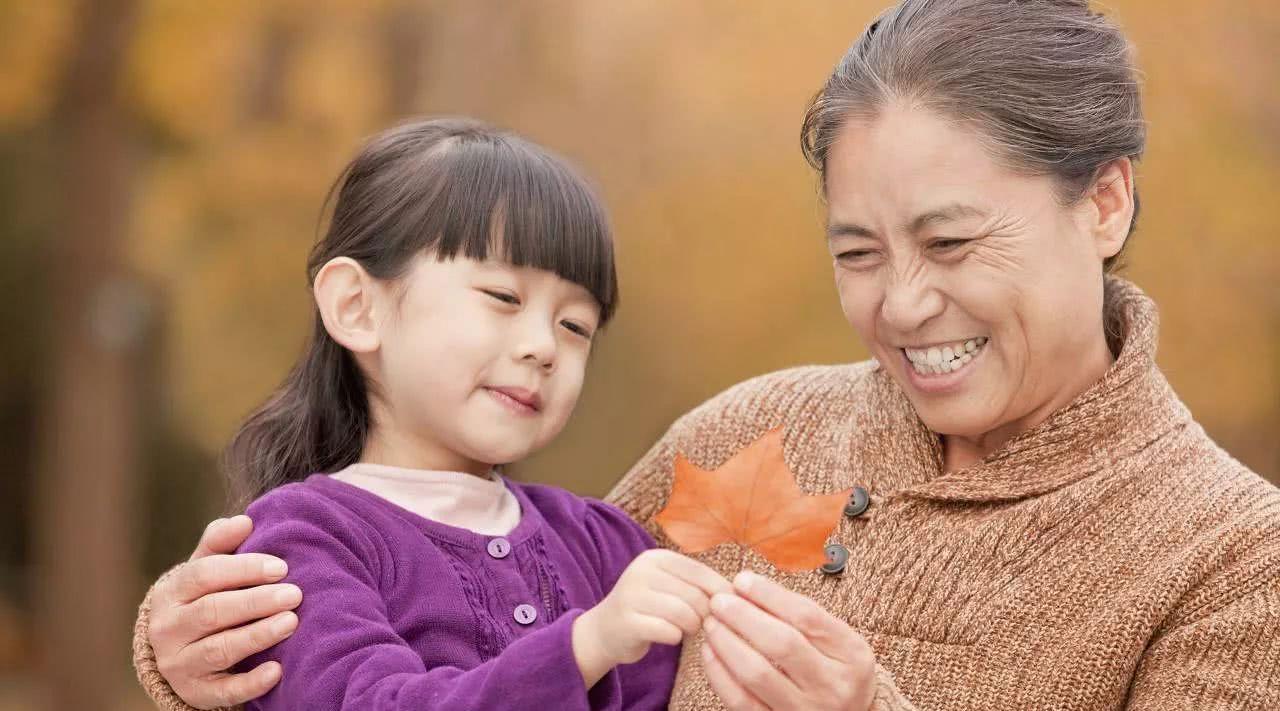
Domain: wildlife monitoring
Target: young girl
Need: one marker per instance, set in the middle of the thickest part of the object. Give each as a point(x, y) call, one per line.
point(459, 288)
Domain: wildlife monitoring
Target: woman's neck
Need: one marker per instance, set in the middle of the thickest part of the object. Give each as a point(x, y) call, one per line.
point(962, 451)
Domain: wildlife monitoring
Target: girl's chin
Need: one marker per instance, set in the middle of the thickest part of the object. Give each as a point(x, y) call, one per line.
point(499, 453)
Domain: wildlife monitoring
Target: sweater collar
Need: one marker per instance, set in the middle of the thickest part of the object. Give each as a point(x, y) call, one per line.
point(1130, 407)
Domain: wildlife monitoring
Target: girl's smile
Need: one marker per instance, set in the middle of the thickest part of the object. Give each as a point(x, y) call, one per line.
point(519, 401)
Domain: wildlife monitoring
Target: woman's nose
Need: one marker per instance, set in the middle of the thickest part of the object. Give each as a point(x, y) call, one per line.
point(909, 302)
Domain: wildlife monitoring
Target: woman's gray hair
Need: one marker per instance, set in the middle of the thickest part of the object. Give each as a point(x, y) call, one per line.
point(1049, 84)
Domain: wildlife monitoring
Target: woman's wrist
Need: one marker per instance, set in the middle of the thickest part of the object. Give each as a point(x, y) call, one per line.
point(153, 682)
point(588, 650)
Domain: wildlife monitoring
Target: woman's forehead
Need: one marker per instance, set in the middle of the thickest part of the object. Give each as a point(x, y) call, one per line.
point(904, 142)
point(918, 169)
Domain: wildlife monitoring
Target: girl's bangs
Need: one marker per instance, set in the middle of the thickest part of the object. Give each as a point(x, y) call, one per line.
point(506, 199)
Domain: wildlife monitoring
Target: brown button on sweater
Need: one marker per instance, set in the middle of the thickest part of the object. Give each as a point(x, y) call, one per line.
point(1111, 558)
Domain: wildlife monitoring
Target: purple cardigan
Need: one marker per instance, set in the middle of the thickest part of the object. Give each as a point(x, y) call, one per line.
point(400, 612)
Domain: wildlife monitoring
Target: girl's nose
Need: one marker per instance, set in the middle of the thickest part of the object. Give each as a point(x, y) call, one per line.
point(538, 346)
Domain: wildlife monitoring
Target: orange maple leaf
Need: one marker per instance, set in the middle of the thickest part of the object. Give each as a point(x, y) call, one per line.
point(751, 500)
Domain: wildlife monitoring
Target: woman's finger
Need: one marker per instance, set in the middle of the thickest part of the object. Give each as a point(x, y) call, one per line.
point(726, 687)
point(223, 535)
point(233, 689)
point(223, 610)
point(751, 669)
point(828, 634)
point(775, 639)
point(219, 652)
point(216, 573)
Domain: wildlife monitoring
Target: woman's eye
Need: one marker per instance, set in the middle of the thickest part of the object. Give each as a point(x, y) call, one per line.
point(854, 255)
point(576, 328)
point(503, 296)
point(947, 243)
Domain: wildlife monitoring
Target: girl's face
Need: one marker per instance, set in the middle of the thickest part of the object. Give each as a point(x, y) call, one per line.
point(480, 363)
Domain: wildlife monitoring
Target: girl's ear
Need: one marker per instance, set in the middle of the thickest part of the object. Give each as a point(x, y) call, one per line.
point(1112, 200)
point(350, 305)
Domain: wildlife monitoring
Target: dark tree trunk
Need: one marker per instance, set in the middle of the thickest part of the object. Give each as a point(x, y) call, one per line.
point(88, 450)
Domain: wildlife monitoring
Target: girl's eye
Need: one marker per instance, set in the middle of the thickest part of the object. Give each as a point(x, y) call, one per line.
point(576, 328)
point(503, 296)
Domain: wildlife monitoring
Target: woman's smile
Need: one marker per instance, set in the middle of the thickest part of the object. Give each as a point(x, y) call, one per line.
point(942, 368)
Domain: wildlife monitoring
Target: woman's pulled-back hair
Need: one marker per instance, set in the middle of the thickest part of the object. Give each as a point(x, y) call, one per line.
point(452, 187)
point(1048, 83)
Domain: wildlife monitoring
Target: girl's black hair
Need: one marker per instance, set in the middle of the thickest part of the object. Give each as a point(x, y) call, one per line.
point(449, 186)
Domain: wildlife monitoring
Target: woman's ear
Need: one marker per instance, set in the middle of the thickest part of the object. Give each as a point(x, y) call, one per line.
point(350, 304)
point(1112, 199)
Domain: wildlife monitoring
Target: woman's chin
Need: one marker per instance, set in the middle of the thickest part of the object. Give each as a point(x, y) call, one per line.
point(956, 417)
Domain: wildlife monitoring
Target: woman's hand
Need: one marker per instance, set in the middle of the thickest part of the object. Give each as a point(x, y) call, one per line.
point(770, 648)
point(660, 597)
point(198, 618)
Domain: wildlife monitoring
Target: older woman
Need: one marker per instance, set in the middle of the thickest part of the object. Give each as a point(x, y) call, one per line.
point(1037, 521)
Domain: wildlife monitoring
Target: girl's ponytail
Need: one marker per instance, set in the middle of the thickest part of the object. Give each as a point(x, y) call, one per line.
point(316, 422)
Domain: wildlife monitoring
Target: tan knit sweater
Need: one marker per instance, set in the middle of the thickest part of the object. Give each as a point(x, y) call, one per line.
point(1111, 558)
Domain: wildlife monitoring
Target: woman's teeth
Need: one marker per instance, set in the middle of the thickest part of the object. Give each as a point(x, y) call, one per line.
point(944, 359)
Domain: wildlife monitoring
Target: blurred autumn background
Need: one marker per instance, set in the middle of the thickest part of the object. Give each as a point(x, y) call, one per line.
point(163, 162)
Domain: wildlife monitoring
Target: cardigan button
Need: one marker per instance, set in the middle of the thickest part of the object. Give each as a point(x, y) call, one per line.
point(837, 559)
point(526, 614)
point(499, 548)
point(859, 502)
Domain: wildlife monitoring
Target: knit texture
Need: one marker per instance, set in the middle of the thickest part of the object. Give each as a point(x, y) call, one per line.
point(1110, 558)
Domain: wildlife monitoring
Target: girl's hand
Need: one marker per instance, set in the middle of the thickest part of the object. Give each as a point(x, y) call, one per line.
point(660, 597)
point(771, 648)
point(198, 618)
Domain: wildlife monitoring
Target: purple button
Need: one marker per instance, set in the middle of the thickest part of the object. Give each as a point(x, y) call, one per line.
point(499, 548)
point(526, 614)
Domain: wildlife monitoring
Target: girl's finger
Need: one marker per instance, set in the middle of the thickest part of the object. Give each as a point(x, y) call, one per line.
point(749, 668)
point(694, 573)
point(828, 634)
point(235, 689)
point(726, 687)
point(660, 630)
point(673, 609)
point(693, 595)
point(775, 640)
point(219, 652)
point(217, 573)
point(219, 611)
point(223, 535)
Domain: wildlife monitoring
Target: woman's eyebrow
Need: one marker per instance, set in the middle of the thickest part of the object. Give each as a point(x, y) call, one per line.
point(944, 213)
point(847, 229)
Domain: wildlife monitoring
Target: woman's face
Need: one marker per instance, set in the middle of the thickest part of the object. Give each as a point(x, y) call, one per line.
point(977, 290)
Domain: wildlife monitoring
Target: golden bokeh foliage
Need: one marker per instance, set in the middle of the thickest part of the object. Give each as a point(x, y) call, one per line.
point(235, 116)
